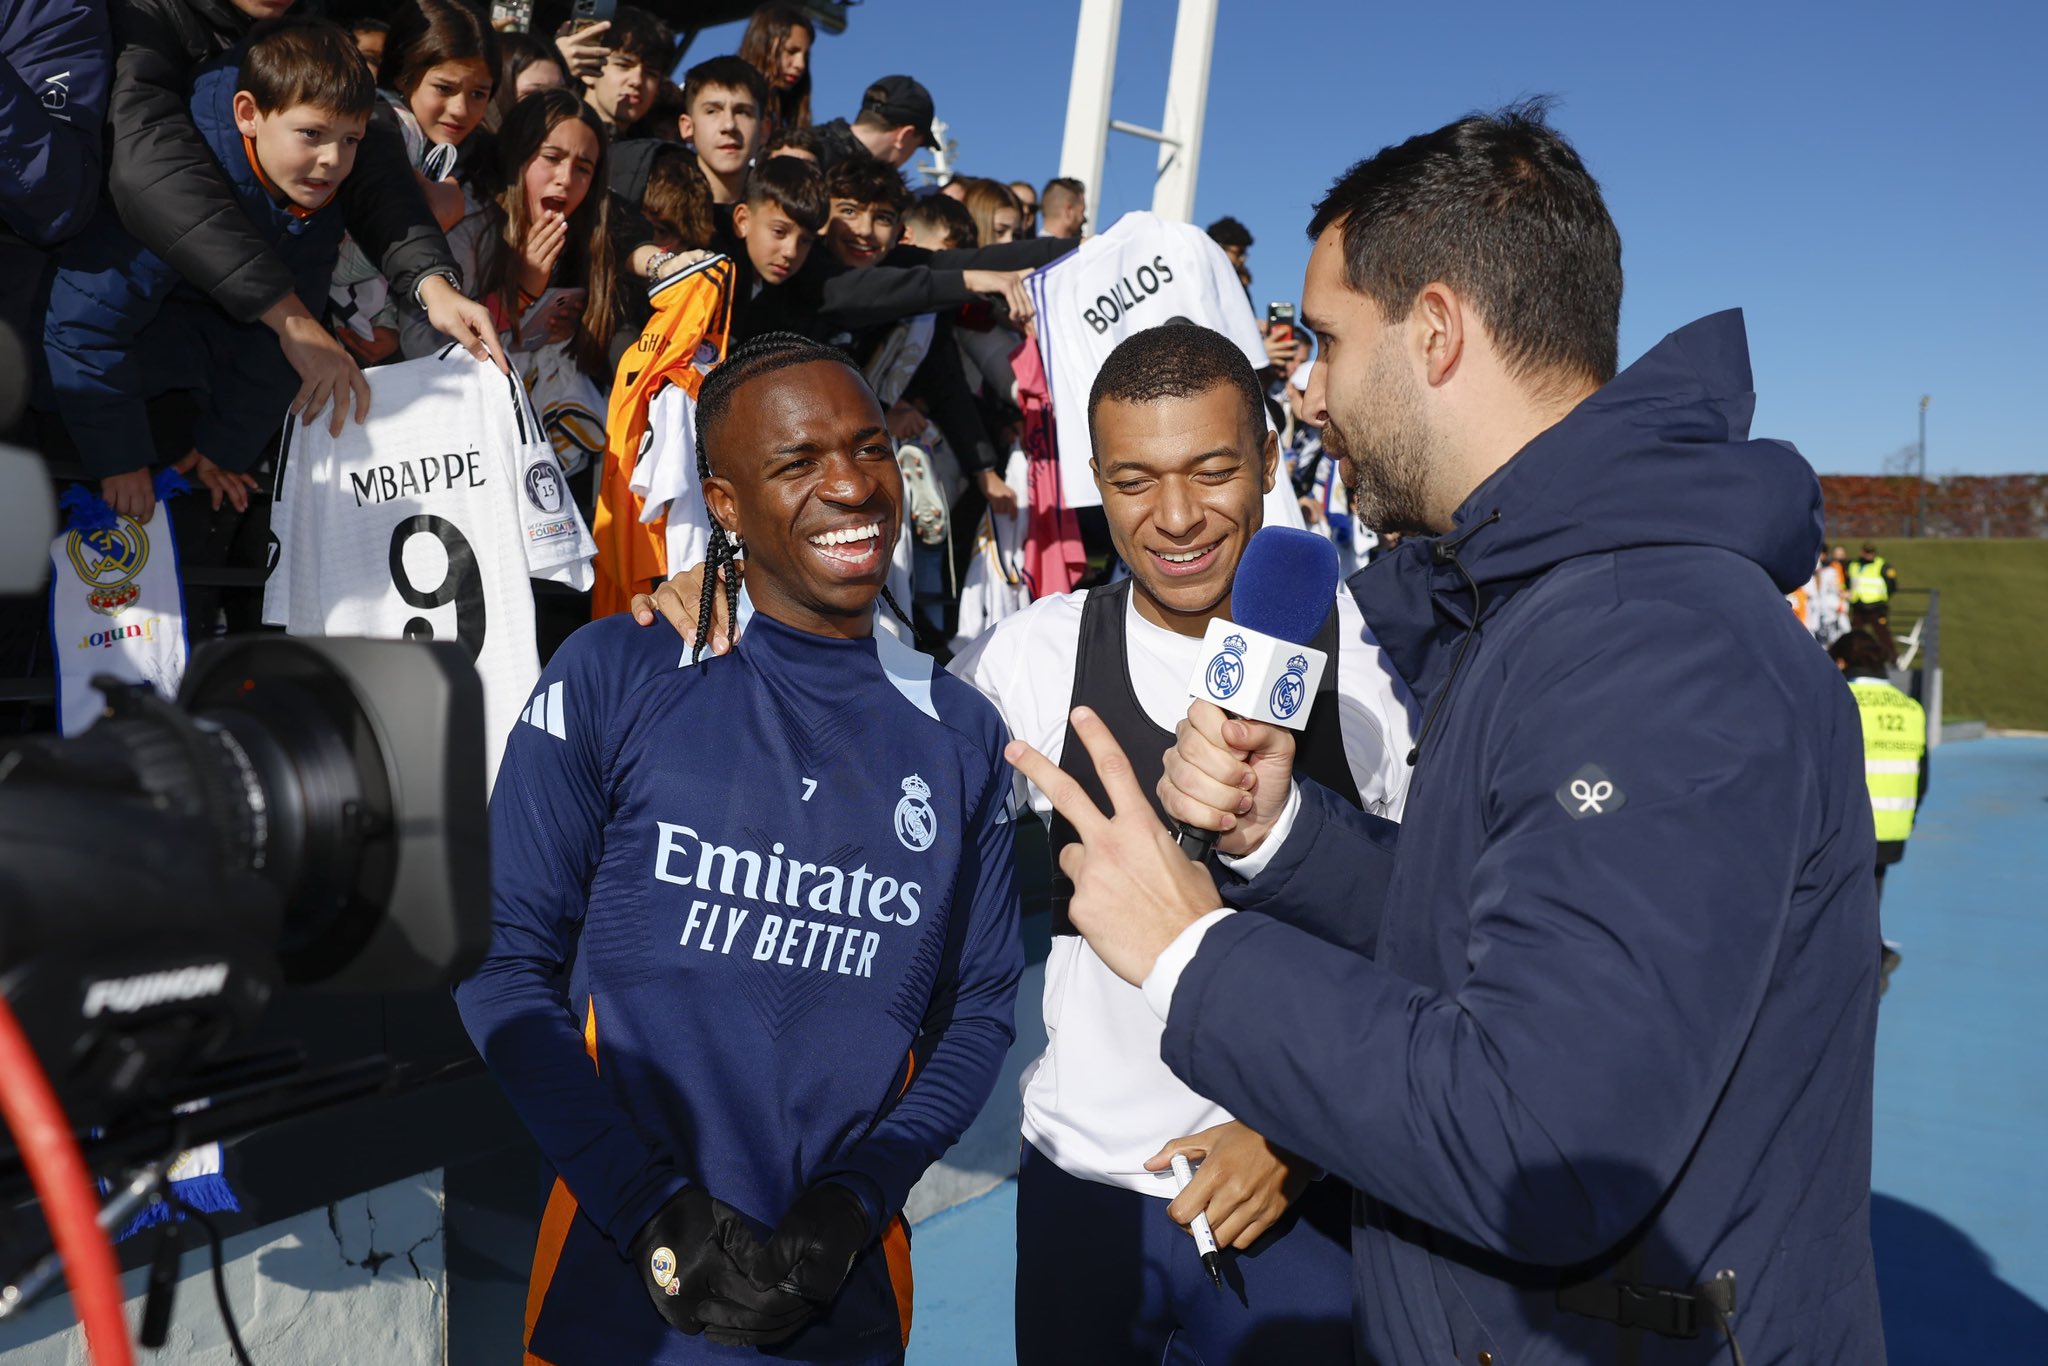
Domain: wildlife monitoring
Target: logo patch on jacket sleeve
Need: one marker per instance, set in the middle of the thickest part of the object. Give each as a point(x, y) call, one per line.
point(1590, 792)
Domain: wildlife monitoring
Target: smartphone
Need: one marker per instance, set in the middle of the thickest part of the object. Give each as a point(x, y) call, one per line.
point(594, 11)
point(1278, 317)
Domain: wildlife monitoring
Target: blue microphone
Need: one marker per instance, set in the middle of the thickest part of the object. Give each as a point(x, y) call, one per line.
point(1260, 665)
point(1285, 584)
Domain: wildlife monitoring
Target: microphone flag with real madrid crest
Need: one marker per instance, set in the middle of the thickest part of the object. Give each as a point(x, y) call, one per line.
point(117, 605)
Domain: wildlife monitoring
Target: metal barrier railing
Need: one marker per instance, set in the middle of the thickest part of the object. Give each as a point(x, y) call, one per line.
point(1916, 629)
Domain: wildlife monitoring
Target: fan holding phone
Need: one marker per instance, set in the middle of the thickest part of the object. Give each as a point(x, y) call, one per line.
point(1284, 349)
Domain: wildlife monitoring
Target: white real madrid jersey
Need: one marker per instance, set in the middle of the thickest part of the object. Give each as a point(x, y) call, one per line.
point(425, 522)
point(1143, 272)
point(666, 479)
point(1098, 1101)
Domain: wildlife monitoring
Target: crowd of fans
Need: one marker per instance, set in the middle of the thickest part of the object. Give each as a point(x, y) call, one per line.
point(285, 201)
point(217, 216)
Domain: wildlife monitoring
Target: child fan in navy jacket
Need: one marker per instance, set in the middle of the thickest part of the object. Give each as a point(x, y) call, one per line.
point(283, 115)
point(755, 939)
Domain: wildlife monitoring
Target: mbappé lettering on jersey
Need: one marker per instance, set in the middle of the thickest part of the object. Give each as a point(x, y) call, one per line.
point(774, 879)
point(424, 522)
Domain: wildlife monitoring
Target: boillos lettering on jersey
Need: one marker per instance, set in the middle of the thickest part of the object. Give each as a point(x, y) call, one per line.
point(414, 478)
point(1127, 293)
point(834, 943)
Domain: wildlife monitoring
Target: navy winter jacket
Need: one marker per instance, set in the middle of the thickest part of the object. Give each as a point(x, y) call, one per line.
point(55, 64)
point(159, 180)
point(124, 327)
point(1624, 989)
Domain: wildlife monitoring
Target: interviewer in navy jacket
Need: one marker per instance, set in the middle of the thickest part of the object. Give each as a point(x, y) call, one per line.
point(1619, 1018)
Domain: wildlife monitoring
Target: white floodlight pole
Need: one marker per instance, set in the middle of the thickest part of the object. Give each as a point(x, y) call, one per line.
point(1187, 98)
point(1087, 134)
point(939, 169)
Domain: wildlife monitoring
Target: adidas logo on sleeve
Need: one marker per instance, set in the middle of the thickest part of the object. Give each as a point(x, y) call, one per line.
point(544, 712)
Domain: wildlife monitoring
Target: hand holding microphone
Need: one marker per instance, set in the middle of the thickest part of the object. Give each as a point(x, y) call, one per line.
point(1228, 776)
point(1226, 781)
point(1135, 889)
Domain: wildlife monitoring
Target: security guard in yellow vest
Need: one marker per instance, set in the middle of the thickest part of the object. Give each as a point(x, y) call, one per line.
point(1871, 582)
point(1894, 754)
point(1867, 582)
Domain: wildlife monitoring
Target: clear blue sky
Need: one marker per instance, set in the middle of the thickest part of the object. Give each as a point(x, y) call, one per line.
point(1865, 180)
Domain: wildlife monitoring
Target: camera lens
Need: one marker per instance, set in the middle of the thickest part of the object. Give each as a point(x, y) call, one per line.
point(310, 803)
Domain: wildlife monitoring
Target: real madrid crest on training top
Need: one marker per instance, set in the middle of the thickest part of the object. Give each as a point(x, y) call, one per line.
point(1226, 670)
point(917, 825)
point(1290, 688)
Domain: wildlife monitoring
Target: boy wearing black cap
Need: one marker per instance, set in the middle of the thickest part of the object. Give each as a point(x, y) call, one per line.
point(895, 120)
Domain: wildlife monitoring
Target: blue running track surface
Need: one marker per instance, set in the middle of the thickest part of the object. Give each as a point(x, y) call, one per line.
point(965, 1264)
point(1960, 1210)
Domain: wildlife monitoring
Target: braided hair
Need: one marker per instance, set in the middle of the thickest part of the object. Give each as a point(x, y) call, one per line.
point(763, 355)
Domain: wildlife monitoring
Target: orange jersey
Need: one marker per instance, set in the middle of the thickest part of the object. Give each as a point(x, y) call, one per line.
point(680, 345)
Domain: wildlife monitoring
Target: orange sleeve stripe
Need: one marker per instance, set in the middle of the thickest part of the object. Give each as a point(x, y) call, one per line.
point(547, 1252)
point(896, 1237)
point(896, 1253)
point(556, 1220)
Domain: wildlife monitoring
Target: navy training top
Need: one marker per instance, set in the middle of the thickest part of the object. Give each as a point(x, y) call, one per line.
point(771, 898)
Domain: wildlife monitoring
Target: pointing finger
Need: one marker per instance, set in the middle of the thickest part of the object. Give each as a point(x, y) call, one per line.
point(1112, 765)
point(674, 603)
point(1066, 795)
point(361, 384)
point(337, 416)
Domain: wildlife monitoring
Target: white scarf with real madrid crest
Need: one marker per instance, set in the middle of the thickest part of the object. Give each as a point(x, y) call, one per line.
point(117, 605)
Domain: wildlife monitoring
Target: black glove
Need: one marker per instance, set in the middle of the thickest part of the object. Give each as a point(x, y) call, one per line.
point(814, 1246)
point(696, 1249)
point(797, 1272)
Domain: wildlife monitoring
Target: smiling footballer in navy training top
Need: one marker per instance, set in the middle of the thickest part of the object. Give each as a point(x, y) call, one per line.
point(777, 886)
